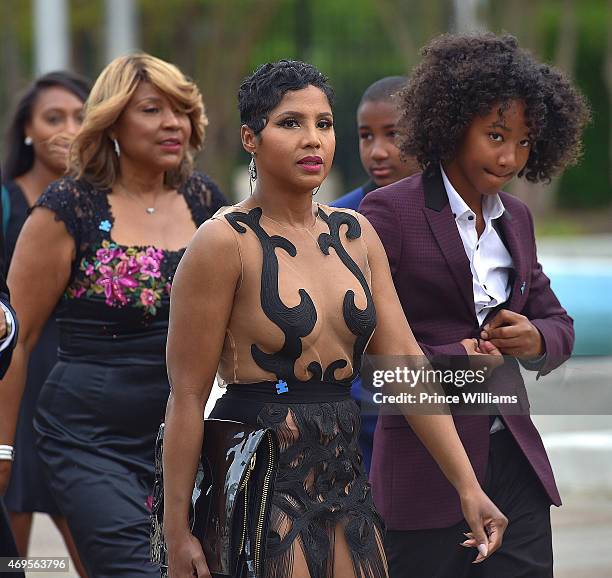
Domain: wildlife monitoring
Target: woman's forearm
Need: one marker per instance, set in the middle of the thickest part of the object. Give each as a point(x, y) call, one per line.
point(182, 446)
point(439, 435)
point(11, 392)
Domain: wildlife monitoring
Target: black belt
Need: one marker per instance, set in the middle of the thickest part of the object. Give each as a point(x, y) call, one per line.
point(290, 391)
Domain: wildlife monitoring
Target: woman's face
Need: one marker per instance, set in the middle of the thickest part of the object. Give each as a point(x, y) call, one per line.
point(296, 148)
point(57, 115)
point(152, 131)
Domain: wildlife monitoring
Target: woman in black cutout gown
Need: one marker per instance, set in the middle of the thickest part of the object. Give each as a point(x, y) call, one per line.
point(107, 241)
point(46, 118)
point(289, 293)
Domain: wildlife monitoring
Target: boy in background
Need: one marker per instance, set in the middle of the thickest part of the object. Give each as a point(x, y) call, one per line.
point(377, 118)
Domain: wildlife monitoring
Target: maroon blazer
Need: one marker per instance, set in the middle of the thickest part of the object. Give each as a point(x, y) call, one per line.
point(432, 277)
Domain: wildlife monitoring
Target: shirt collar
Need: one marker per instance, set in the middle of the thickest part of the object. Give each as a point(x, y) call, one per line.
point(492, 206)
point(369, 187)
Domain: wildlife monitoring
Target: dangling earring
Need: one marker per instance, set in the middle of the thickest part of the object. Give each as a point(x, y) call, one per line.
point(27, 141)
point(252, 172)
point(117, 149)
point(316, 190)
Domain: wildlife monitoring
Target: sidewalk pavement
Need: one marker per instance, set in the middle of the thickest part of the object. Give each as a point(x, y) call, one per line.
point(582, 534)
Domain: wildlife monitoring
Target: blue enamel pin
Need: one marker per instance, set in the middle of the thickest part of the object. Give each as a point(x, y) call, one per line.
point(105, 225)
point(281, 387)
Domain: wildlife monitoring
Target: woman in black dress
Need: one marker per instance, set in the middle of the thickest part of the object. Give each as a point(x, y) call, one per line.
point(107, 241)
point(47, 117)
point(281, 296)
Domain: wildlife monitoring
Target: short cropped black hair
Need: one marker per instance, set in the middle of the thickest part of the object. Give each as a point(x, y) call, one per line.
point(465, 75)
point(261, 92)
point(383, 90)
point(19, 156)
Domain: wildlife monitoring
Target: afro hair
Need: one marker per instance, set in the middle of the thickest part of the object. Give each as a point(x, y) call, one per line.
point(464, 75)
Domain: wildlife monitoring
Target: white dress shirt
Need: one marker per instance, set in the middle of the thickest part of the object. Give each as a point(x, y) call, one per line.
point(490, 261)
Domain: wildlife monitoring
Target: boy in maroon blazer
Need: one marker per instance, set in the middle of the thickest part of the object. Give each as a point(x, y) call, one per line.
point(477, 112)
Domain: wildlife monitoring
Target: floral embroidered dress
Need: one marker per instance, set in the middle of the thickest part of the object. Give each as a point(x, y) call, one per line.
point(100, 408)
point(124, 275)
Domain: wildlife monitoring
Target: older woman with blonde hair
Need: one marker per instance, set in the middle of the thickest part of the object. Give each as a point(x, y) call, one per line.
point(105, 242)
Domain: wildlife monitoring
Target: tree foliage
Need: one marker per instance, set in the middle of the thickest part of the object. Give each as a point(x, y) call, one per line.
point(218, 42)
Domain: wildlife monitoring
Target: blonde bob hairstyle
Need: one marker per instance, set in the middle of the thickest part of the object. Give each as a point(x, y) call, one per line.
point(92, 154)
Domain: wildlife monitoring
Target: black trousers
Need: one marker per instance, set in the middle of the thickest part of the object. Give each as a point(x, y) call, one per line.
point(526, 551)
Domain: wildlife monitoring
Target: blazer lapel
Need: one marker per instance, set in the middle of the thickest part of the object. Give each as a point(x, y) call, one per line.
point(440, 218)
point(506, 227)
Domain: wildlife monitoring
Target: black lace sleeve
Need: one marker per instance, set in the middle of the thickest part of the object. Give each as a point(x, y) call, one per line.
point(203, 196)
point(64, 198)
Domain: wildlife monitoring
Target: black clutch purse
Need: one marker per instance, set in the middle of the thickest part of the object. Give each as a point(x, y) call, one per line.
point(231, 500)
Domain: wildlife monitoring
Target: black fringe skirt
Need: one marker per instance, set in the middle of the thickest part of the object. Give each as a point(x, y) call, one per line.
point(323, 519)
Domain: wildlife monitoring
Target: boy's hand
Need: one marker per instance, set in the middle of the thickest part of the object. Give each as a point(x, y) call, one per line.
point(483, 355)
point(513, 334)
